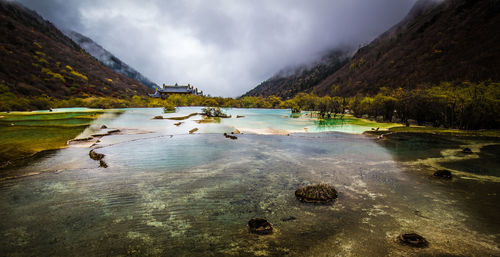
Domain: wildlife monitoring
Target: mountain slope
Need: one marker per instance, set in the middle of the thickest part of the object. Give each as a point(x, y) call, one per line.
point(109, 59)
point(36, 59)
point(456, 40)
point(291, 81)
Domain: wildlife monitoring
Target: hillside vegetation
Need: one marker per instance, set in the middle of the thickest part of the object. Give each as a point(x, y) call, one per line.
point(454, 41)
point(37, 60)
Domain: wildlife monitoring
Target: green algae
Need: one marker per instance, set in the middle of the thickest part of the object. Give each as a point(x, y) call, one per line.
point(23, 134)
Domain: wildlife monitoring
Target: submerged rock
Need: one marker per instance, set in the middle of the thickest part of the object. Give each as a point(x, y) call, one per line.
point(260, 226)
point(96, 156)
point(103, 164)
point(413, 239)
point(290, 218)
point(445, 174)
point(159, 117)
point(467, 150)
point(320, 193)
point(240, 116)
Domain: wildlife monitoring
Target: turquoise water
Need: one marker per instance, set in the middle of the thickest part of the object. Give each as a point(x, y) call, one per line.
point(169, 193)
point(255, 121)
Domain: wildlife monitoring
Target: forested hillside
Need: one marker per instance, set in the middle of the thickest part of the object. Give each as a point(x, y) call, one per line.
point(38, 60)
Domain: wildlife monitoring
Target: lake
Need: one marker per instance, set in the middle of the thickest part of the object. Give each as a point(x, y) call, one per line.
point(166, 192)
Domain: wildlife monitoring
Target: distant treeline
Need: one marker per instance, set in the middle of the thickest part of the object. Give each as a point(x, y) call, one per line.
point(463, 105)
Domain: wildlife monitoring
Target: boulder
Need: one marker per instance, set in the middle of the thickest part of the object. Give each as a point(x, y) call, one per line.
point(320, 193)
point(178, 123)
point(104, 127)
point(413, 239)
point(159, 117)
point(260, 226)
point(445, 174)
point(193, 130)
point(240, 116)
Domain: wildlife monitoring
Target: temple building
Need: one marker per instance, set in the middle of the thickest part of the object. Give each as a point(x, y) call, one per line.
point(166, 90)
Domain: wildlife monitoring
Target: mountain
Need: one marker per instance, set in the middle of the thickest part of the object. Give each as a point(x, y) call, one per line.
point(290, 81)
point(449, 40)
point(439, 40)
point(38, 59)
point(108, 59)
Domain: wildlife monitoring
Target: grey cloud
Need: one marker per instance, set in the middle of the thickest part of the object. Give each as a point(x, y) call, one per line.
point(224, 47)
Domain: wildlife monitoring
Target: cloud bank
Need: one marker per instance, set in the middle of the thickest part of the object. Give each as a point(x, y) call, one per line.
point(223, 47)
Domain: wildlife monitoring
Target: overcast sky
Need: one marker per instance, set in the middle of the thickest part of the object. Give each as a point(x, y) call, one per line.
point(224, 47)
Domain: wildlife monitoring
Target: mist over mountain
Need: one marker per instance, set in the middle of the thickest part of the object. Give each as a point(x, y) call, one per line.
point(438, 41)
point(108, 59)
point(302, 78)
point(37, 59)
point(224, 47)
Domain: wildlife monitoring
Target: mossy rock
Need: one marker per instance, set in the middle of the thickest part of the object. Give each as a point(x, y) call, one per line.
point(444, 174)
point(320, 193)
point(260, 226)
point(413, 240)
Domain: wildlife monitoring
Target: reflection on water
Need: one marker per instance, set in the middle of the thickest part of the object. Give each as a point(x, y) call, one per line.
point(174, 194)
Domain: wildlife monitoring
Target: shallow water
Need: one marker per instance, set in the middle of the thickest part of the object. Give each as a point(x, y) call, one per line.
point(168, 193)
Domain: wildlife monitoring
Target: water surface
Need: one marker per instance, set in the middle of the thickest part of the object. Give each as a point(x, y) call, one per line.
point(169, 193)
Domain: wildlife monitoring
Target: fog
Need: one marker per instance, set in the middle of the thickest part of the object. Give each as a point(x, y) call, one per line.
point(223, 47)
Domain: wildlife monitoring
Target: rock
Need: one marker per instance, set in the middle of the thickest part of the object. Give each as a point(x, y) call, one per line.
point(260, 226)
point(159, 117)
point(288, 218)
point(193, 130)
point(413, 239)
point(467, 150)
point(96, 156)
point(178, 123)
point(236, 131)
point(239, 116)
point(183, 117)
point(445, 174)
point(230, 136)
point(111, 131)
point(103, 164)
point(82, 139)
point(104, 127)
point(320, 193)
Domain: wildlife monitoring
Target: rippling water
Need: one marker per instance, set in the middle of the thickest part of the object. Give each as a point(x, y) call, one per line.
point(168, 193)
